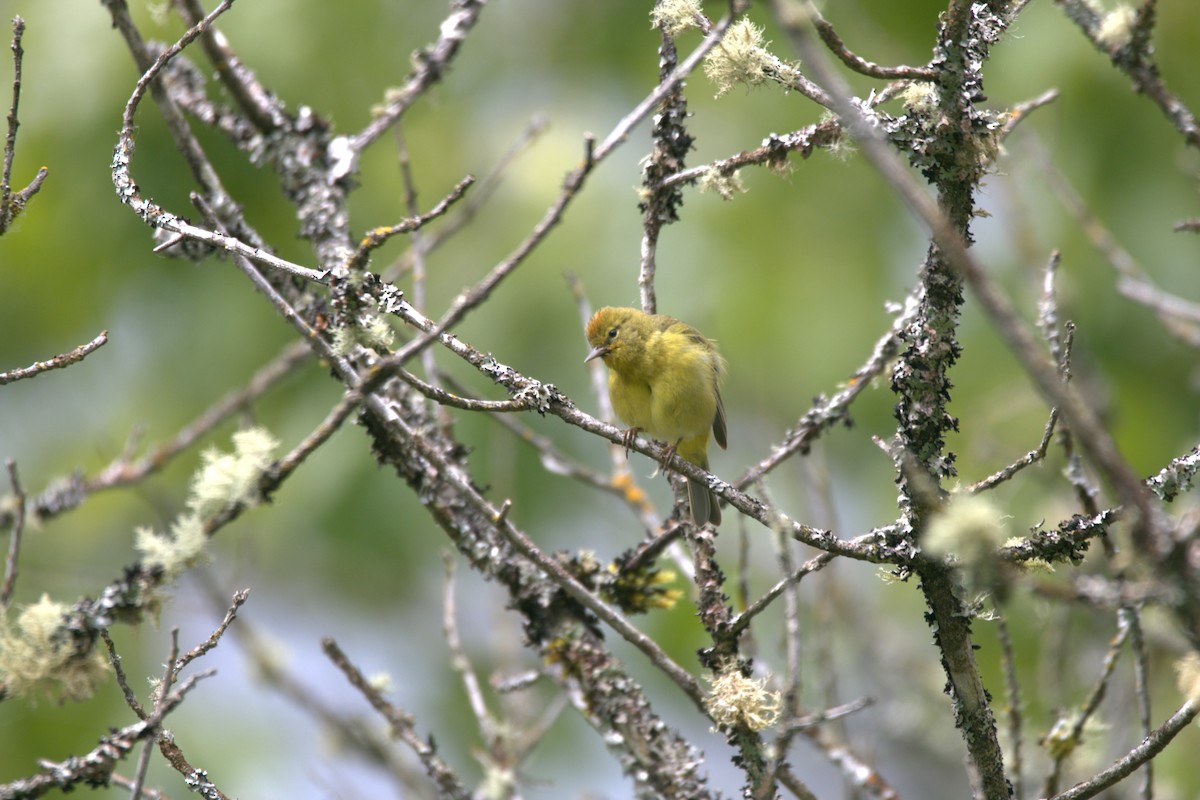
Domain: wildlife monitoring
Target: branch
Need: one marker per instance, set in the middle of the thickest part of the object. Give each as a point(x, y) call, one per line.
point(11, 204)
point(429, 65)
point(401, 724)
point(14, 542)
point(58, 362)
point(96, 768)
point(861, 65)
point(593, 155)
point(1150, 747)
point(1127, 44)
point(377, 236)
point(68, 493)
point(1083, 421)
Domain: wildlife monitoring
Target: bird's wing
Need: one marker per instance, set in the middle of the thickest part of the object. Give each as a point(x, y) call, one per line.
point(720, 432)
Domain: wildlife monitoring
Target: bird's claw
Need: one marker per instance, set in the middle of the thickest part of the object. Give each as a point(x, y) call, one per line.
point(627, 438)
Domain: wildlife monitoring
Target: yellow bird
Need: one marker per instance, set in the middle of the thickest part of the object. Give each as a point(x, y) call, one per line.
point(664, 378)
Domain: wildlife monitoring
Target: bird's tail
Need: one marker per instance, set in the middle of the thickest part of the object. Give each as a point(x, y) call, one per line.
point(705, 507)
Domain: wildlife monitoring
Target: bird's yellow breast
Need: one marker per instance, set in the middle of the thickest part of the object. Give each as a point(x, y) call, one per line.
point(683, 397)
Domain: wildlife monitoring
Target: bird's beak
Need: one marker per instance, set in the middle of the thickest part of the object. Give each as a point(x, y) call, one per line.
point(596, 352)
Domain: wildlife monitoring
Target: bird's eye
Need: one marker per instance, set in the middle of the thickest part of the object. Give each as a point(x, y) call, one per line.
point(612, 334)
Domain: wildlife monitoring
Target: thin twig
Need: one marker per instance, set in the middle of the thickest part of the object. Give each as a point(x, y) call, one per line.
point(1141, 689)
point(826, 413)
point(861, 65)
point(20, 199)
point(114, 658)
point(1013, 704)
point(147, 792)
point(13, 204)
point(445, 398)
point(139, 771)
point(66, 494)
point(173, 667)
point(772, 152)
point(401, 723)
point(429, 64)
point(375, 237)
point(740, 621)
point(465, 211)
point(10, 140)
point(10, 144)
point(239, 599)
point(96, 767)
point(1032, 457)
point(1150, 747)
point(1060, 344)
point(1019, 112)
point(1083, 420)
point(593, 155)
point(58, 362)
point(259, 104)
point(828, 715)
point(337, 415)
point(1178, 316)
point(1067, 734)
point(418, 247)
point(1134, 59)
point(458, 658)
point(18, 529)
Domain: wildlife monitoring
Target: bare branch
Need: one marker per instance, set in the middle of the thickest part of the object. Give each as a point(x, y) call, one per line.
point(861, 65)
point(58, 362)
point(575, 179)
point(377, 236)
point(1131, 52)
point(401, 723)
point(96, 767)
point(68, 493)
point(1151, 746)
point(1096, 441)
point(18, 530)
point(11, 206)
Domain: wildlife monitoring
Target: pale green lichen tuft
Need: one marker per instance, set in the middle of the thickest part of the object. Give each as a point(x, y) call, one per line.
point(1061, 740)
point(232, 478)
point(920, 97)
point(382, 682)
point(724, 184)
point(673, 17)
point(223, 480)
point(173, 552)
point(741, 57)
point(1187, 672)
point(733, 700)
point(372, 332)
point(36, 656)
point(969, 527)
point(1038, 565)
point(1116, 29)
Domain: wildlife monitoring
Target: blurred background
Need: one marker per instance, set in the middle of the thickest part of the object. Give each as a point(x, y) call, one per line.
point(791, 278)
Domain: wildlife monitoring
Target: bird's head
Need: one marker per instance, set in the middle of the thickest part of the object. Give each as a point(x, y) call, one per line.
point(609, 332)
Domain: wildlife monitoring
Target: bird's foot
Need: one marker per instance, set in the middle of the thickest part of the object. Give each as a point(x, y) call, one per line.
point(627, 438)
